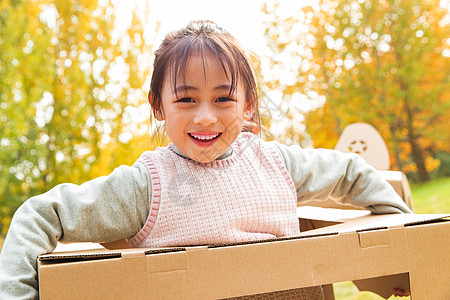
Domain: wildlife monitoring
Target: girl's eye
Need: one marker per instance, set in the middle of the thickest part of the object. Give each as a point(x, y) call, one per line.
point(224, 99)
point(185, 100)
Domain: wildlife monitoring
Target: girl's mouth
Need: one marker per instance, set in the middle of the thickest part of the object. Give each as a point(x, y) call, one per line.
point(204, 139)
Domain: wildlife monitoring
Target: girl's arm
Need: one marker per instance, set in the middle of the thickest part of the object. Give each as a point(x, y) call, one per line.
point(102, 210)
point(319, 174)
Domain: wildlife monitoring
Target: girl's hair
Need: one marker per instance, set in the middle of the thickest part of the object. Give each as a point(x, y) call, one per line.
point(204, 37)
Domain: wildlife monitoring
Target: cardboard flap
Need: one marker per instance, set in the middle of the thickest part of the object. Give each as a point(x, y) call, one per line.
point(374, 222)
point(330, 214)
point(369, 239)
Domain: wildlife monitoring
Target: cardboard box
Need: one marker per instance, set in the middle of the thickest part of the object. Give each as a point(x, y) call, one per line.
point(400, 184)
point(406, 251)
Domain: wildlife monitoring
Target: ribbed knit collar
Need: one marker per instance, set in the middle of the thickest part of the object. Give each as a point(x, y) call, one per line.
point(224, 155)
point(229, 157)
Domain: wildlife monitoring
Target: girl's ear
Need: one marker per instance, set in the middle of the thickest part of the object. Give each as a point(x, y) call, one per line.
point(157, 113)
point(248, 112)
point(247, 115)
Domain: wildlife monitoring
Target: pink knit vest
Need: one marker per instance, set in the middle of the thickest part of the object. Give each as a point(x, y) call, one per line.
point(247, 196)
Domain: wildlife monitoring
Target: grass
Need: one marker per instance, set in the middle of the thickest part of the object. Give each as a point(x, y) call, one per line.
point(432, 197)
point(429, 198)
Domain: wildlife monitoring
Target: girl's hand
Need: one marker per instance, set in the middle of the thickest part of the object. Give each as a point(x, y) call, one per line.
point(400, 292)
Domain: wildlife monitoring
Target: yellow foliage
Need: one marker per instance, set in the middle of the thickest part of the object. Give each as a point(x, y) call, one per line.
point(409, 168)
point(61, 100)
point(432, 163)
point(5, 220)
point(386, 67)
point(113, 155)
point(322, 127)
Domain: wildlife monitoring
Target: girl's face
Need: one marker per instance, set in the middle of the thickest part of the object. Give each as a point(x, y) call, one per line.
point(201, 117)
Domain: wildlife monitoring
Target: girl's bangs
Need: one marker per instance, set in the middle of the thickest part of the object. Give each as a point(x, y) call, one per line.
point(187, 48)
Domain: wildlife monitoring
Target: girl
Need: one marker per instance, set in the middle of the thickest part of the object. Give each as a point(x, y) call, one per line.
point(212, 184)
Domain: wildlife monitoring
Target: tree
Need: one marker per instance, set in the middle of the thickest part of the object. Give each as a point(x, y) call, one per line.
point(382, 62)
point(69, 81)
point(20, 37)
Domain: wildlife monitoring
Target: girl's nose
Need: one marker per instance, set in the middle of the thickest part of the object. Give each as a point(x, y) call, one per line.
point(205, 116)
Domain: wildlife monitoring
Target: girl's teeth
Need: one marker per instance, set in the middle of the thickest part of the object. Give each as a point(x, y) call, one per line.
point(205, 137)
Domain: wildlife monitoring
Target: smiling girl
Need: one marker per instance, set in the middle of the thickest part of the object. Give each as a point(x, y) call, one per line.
point(213, 184)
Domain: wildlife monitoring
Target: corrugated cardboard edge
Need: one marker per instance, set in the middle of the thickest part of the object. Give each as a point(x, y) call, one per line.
point(428, 221)
point(355, 225)
point(71, 256)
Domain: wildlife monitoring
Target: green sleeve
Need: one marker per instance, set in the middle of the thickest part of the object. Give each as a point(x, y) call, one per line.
point(320, 174)
point(105, 209)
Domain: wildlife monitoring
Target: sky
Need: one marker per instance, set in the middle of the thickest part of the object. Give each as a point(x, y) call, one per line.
point(242, 18)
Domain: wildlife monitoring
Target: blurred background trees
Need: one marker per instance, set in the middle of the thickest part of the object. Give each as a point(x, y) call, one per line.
point(71, 86)
point(385, 62)
point(74, 80)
